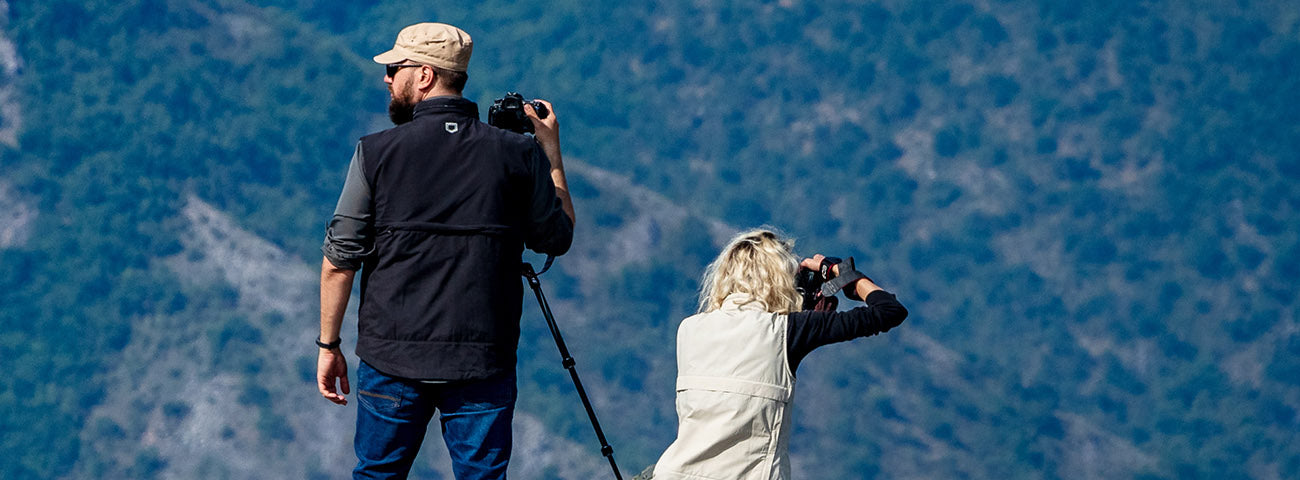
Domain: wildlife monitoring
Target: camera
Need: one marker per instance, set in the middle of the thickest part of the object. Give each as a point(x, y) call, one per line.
point(508, 113)
point(809, 282)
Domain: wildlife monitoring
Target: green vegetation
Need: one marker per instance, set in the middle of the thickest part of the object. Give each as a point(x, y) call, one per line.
point(1089, 209)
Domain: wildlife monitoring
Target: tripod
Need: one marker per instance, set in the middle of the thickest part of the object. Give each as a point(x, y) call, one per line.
point(567, 360)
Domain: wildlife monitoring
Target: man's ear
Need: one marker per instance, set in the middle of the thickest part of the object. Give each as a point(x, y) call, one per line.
point(428, 78)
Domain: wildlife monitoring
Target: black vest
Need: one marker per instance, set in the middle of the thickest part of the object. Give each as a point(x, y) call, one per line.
point(441, 294)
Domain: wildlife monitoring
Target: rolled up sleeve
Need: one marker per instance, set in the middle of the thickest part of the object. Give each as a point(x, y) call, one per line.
point(349, 237)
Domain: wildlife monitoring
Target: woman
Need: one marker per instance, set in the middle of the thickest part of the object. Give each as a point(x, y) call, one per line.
point(736, 358)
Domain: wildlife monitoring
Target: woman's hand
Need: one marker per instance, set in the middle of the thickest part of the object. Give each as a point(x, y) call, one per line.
point(815, 264)
point(857, 290)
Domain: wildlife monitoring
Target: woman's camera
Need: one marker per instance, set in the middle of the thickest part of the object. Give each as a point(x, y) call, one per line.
point(809, 282)
point(508, 113)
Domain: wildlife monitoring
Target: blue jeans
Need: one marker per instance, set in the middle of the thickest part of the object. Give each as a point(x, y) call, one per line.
point(394, 414)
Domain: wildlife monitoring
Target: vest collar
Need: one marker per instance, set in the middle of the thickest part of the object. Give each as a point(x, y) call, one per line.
point(445, 105)
point(742, 301)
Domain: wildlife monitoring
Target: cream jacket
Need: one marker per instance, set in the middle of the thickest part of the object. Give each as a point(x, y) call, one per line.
point(734, 389)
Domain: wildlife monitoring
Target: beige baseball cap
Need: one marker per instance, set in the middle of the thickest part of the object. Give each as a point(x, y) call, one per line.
point(437, 44)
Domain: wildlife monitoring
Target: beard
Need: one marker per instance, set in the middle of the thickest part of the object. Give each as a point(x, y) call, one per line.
point(401, 108)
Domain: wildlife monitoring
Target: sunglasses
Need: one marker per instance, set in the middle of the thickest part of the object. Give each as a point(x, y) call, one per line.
point(392, 68)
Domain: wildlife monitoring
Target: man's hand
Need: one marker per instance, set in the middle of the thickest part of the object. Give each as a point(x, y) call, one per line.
point(545, 130)
point(335, 288)
point(332, 366)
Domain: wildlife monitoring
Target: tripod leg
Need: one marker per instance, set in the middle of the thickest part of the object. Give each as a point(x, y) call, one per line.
point(569, 364)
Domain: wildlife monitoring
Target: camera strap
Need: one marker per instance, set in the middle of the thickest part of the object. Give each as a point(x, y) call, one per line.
point(526, 269)
point(846, 277)
point(549, 260)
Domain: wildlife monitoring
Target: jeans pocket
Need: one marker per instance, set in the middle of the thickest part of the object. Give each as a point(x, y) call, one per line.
point(378, 392)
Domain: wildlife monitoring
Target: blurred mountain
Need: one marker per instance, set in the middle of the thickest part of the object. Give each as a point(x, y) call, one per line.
point(1088, 208)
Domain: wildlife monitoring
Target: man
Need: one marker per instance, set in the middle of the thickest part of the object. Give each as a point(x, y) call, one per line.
point(435, 213)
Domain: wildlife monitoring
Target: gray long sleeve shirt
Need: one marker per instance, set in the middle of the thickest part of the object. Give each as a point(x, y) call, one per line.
point(350, 234)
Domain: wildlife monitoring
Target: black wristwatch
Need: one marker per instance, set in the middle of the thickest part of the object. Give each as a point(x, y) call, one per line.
point(329, 346)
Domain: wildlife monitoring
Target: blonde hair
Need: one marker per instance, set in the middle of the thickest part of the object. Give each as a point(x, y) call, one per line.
point(758, 263)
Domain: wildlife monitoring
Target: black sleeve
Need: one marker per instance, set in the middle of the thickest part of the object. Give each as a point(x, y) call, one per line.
point(809, 330)
point(551, 230)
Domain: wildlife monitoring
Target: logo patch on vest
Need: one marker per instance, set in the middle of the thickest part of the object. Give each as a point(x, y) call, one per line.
point(452, 127)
